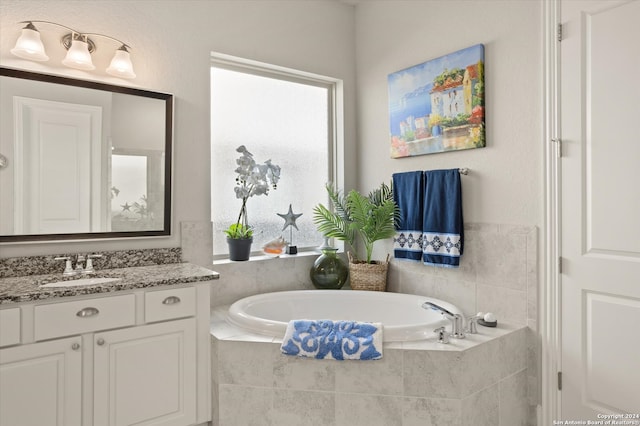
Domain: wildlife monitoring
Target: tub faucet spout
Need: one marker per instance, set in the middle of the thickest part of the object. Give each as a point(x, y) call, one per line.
point(456, 319)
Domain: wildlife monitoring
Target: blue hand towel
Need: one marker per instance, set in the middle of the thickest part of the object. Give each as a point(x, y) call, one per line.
point(408, 193)
point(442, 228)
point(326, 339)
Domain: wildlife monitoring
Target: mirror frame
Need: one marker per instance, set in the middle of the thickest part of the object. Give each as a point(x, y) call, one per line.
point(168, 98)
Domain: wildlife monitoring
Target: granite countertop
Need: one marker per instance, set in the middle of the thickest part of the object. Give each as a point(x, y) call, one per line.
point(27, 288)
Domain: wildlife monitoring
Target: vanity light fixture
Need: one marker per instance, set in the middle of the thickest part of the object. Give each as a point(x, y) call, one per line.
point(79, 48)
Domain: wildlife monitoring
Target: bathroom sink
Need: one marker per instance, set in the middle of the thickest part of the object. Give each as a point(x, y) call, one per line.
point(80, 282)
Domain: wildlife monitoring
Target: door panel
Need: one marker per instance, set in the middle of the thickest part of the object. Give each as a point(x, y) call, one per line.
point(41, 384)
point(146, 375)
point(600, 232)
point(58, 167)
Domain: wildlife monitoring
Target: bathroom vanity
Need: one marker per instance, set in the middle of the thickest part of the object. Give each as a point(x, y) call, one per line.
point(131, 351)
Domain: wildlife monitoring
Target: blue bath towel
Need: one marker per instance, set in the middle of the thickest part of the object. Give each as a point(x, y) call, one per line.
point(408, 193)
point(442, 226)
point(327, 339)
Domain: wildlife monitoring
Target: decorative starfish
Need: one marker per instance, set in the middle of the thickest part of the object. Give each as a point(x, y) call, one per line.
point(289, 218)
point(126, 206)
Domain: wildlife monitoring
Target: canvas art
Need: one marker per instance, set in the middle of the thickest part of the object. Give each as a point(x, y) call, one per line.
point(438, 105)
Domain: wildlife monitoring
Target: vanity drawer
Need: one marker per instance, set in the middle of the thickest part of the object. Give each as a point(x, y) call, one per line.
point(9, 326)
point(169, 304)
point(82, 316)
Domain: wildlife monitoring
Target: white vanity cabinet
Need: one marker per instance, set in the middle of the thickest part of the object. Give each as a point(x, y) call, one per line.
point(130, 357)
point(41, 384)
point(145, 375)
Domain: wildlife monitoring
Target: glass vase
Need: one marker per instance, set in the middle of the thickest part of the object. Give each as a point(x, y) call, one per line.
point(329, 271)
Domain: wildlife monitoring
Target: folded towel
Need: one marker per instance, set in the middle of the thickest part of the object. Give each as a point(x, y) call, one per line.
point(326, 339)
point(442, 227)
point(408, 193)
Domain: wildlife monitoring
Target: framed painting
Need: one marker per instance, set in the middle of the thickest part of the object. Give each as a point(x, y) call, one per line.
point(438, 105)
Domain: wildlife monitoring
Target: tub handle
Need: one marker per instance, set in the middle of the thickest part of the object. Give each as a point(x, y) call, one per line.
point(443, 336)
point(472, 324)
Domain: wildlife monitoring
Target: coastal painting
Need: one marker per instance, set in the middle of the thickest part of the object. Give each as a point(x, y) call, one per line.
point(438, 105)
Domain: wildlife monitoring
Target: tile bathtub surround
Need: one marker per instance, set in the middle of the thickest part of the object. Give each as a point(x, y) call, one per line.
point(40, 265)
point(498, 273)
point(482, 378)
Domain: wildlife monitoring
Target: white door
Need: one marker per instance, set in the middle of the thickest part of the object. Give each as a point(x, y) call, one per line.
point(146, 375)
point(600, 230)
point(58, 167)
point(41, 384)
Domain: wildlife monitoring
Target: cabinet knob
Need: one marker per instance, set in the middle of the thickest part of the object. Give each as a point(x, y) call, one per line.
point(100, 341)
point(75, 346)
point(171, 300)
point(87, 312)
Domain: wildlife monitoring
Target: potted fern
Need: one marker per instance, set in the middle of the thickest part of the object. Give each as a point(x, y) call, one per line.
point(364, 219)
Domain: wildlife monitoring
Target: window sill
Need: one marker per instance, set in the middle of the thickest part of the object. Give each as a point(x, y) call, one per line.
point(264, 257)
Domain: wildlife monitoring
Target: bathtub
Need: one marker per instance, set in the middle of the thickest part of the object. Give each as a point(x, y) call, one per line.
point(401, 315)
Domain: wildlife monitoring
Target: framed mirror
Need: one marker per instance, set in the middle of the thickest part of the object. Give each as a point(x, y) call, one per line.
point(82, 159)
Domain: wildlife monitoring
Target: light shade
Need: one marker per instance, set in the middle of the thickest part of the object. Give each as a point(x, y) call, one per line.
point(78, 56)
point(29, 46)
point(121, 65)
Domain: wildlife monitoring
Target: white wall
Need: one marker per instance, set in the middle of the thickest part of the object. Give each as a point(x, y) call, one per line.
point(504, 185)
point(172, 41)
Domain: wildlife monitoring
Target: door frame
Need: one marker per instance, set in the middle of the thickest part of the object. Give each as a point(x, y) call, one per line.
point(549, 306)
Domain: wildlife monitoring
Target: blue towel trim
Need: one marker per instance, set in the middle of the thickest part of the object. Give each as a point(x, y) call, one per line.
point(327, 339)
point(408, 245)
point(408, 190)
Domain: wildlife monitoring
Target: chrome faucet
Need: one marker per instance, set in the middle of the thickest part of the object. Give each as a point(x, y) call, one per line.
point(456, 319)
point(88, 268)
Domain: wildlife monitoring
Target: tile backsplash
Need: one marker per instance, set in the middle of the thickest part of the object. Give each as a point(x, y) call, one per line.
point(498, 273)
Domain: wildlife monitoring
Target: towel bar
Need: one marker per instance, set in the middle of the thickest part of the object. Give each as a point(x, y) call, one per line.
point(463, 171)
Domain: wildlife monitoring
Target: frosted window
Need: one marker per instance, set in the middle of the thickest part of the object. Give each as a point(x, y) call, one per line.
point(281, 120)
point(129, 210)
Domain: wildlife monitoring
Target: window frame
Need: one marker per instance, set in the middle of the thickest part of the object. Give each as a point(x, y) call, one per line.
point(335, 113)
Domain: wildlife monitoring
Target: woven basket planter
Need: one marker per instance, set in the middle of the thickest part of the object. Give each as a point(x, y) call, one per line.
point(368, 276)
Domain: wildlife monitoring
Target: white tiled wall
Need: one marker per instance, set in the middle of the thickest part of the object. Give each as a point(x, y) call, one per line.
point(498, 273)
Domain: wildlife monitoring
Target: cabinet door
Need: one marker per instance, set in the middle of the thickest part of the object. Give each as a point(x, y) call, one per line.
point(146, 375)
point(40, 384)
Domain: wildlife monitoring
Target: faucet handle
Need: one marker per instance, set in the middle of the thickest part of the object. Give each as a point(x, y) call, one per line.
point(457, 326)
point(472, 324)
point(443, 336)
point(89, 269)
point(68, 269)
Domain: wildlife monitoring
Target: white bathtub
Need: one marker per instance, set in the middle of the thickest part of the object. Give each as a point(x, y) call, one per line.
point(402, 315)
